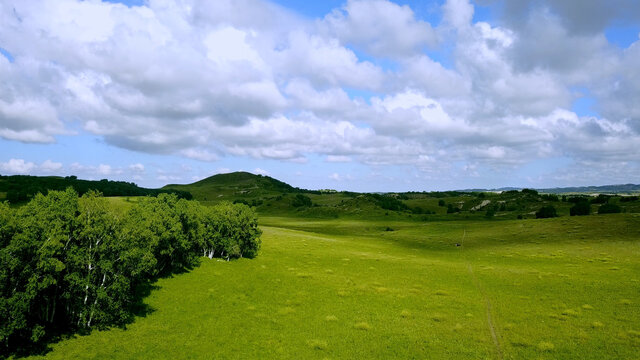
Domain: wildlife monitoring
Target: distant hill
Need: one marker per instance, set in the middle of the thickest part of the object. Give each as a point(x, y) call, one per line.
point(19, 188)
point(604, 189)
point(234, 185)
point(608, 189)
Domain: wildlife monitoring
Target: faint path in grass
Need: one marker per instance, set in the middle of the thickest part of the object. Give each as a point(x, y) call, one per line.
point(488, 306)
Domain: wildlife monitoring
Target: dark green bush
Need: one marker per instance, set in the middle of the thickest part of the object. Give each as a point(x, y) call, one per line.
point(546, 212)
point(301, 200)
point(609, 209)
point(580, 208)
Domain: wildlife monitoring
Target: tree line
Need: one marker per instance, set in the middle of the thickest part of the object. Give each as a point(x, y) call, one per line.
point(21, 188)
point(70, 263)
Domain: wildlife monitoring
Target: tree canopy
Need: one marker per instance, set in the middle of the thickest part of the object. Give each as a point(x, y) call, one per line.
point(70, 263)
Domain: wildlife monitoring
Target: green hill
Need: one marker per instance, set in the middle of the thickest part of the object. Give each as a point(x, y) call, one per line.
point(273, 197)
point(234, 186)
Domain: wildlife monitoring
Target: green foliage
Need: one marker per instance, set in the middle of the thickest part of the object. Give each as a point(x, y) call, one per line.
point(301, 201)
point(441, 202)
point(529, 192)
point(580, 208)
point(20, 188)
point(69, 263)
point(577, 199)
point(601, 199)
point(546, 212)
point(452, 209)
point(609, 209)
point(387, 202)
point(549, 197)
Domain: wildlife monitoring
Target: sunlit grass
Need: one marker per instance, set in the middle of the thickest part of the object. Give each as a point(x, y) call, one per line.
point(364, 293)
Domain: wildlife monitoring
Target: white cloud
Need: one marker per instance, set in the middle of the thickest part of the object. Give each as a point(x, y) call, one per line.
point(138, 168)
point(50, 166)
point(261, 171)
point(103, 169)
point(381, 28)
point(17, 166)
point(369, 82)
point(458, 13)
point(338, 158)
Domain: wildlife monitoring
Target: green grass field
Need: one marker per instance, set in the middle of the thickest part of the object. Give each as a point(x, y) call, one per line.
point(563, 288)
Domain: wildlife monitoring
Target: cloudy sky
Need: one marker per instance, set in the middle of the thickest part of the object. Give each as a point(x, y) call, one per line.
point(357, 95)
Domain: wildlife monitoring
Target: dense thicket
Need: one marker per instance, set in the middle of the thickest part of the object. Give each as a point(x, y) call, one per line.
point(609, 209)
point(546, 212)
point(20, 188)
point(69, 263)
point(581, 208)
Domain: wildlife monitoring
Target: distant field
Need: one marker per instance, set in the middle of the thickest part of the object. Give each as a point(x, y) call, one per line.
point(563, 288)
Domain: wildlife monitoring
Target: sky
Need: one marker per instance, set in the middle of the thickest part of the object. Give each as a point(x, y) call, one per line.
point(349, 95)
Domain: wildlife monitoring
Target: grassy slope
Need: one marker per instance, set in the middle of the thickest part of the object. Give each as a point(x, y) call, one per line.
point(557, 288)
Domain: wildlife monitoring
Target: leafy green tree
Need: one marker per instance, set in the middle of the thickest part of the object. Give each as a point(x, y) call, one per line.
point(546, 212)
point(301, 200)
point(609, 209)
point(69, 263)
point(580, 208)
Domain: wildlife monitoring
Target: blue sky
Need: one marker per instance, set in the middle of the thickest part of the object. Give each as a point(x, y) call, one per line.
point(352, 95)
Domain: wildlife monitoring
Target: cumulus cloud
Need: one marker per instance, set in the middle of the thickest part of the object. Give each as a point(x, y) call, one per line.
point(138, 168)
point(51, 166)
point(17, 166)
point(381, 28)
point(260, 171)
point(364, 83)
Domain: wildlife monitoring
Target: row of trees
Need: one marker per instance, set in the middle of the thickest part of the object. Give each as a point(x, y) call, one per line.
point(21, 188)
point(70, 263)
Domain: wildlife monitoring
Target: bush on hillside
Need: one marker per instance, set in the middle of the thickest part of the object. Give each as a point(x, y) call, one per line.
point(546, 212)
point(549, 197)
point(601, 199)
point(609, 209)
point(580, 208)
point(452, 209)
point(301, 200)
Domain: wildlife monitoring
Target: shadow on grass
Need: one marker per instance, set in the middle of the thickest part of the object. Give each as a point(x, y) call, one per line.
point(137, 309)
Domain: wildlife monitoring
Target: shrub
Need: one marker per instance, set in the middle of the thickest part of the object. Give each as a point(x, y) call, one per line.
point(301, 201)
point(601, 199)
point(609, 209)
point(546, 212)
point(580, 208)
point(441, 202)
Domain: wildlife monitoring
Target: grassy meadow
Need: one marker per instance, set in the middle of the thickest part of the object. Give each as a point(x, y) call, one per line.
point(561, 288)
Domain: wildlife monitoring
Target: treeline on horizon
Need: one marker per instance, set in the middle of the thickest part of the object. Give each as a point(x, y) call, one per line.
point(70, 263)
point(21, 188)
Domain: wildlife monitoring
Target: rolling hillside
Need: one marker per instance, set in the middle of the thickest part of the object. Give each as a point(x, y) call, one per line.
point(273, 197)
point(233, 186)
